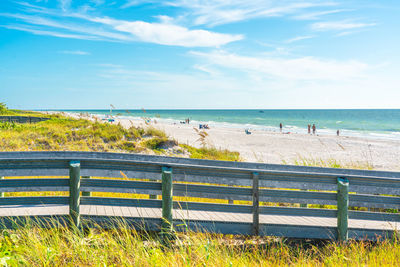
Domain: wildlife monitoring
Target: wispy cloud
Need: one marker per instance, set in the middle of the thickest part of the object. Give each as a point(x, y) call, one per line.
point(302, 68)
point(216, 12)
point(298, 38)
point(75, 52)
point(49, 33)
point(73, 24)
point(169, 34)
point(339, 25)
point(318, 14)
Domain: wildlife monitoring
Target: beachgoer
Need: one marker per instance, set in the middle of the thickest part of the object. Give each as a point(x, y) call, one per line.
point(313, 128)
point(337, 132)
point(280, 127)
point(309, 129)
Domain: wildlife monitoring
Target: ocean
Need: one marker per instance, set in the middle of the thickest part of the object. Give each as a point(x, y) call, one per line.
point(372, 123)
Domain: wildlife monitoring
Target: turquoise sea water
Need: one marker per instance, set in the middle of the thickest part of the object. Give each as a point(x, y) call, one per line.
point(374, 123)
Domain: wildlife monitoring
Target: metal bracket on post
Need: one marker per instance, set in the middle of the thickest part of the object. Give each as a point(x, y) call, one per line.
point(167, 220)
point(86, 194)
point(256, 204)
point(342, 208)
point(74, 192)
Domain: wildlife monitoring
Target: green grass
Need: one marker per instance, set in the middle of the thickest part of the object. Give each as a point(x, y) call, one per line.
point(331, 163)
point(59, 246)
point(61, 133)
point(212, 153)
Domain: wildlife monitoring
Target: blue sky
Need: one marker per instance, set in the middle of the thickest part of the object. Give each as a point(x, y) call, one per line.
point(200, 54)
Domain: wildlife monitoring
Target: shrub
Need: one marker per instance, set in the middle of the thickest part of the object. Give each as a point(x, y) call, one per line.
point(212, 153)
point(151, 131)
point(155, 142)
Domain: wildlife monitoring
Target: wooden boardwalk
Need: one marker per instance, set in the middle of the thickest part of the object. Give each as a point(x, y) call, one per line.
point(191, 181)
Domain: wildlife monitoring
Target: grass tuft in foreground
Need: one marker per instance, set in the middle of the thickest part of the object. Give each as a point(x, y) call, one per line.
point(34, 246)
point(331, 163)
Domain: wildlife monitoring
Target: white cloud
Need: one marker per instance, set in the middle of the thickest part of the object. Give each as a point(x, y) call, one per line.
point(65, 24)
point(75, 52)
point(241, 91)
point(68, 28)
point(298, 38)
point(49, 33)
point(317, 15)
point(303, 68)
point(169, 34)
point(206, 69)
point(216, 12)
point(339, 25)
point(65, 4)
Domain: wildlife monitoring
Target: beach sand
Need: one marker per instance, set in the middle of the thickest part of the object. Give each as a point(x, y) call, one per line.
point(281, 148)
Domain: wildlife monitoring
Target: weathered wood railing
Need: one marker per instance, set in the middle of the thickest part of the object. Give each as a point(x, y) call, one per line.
point(240, 181)
point(22, 119)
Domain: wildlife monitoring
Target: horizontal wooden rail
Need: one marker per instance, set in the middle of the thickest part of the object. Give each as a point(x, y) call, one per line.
point(6, 201)
point(30, 185)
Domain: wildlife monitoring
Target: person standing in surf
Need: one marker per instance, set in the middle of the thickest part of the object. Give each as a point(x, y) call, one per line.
point(280, 127)
point(314, 128)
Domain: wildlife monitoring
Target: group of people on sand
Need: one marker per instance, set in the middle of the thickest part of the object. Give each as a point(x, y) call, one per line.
point(314, 129)
point(187, 121)
point(309, 128)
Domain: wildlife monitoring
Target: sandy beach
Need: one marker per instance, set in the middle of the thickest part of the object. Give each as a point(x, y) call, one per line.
point(281, 148)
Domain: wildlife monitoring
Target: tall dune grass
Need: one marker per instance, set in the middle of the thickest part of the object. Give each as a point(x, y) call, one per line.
point(60, 246)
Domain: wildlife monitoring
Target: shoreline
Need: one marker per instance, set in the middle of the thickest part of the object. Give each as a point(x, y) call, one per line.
point(288, 126)
point(279, 148)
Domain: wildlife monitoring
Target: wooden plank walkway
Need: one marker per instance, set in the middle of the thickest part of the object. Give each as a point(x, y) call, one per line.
point(195, 216)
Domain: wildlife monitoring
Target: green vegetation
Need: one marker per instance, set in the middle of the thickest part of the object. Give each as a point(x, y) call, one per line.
point(68, 134)
point(212, 153)
point(331, 163)
point(60, 133)
point(59, 246)
point(4, 110)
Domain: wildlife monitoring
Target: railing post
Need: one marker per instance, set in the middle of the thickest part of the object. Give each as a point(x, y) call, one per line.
point(167, 223)
point(1, 193)
point(74, 191)
point(342, 208)
point(256, 204)
point(86, 194)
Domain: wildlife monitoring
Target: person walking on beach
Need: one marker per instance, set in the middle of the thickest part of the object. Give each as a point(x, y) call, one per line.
point(337, 132)
point(313, 128)
point(280, 127)
point(309, 129)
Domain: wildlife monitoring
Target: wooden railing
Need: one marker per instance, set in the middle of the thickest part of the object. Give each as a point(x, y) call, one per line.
point(22, 119)
point(251, 183)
